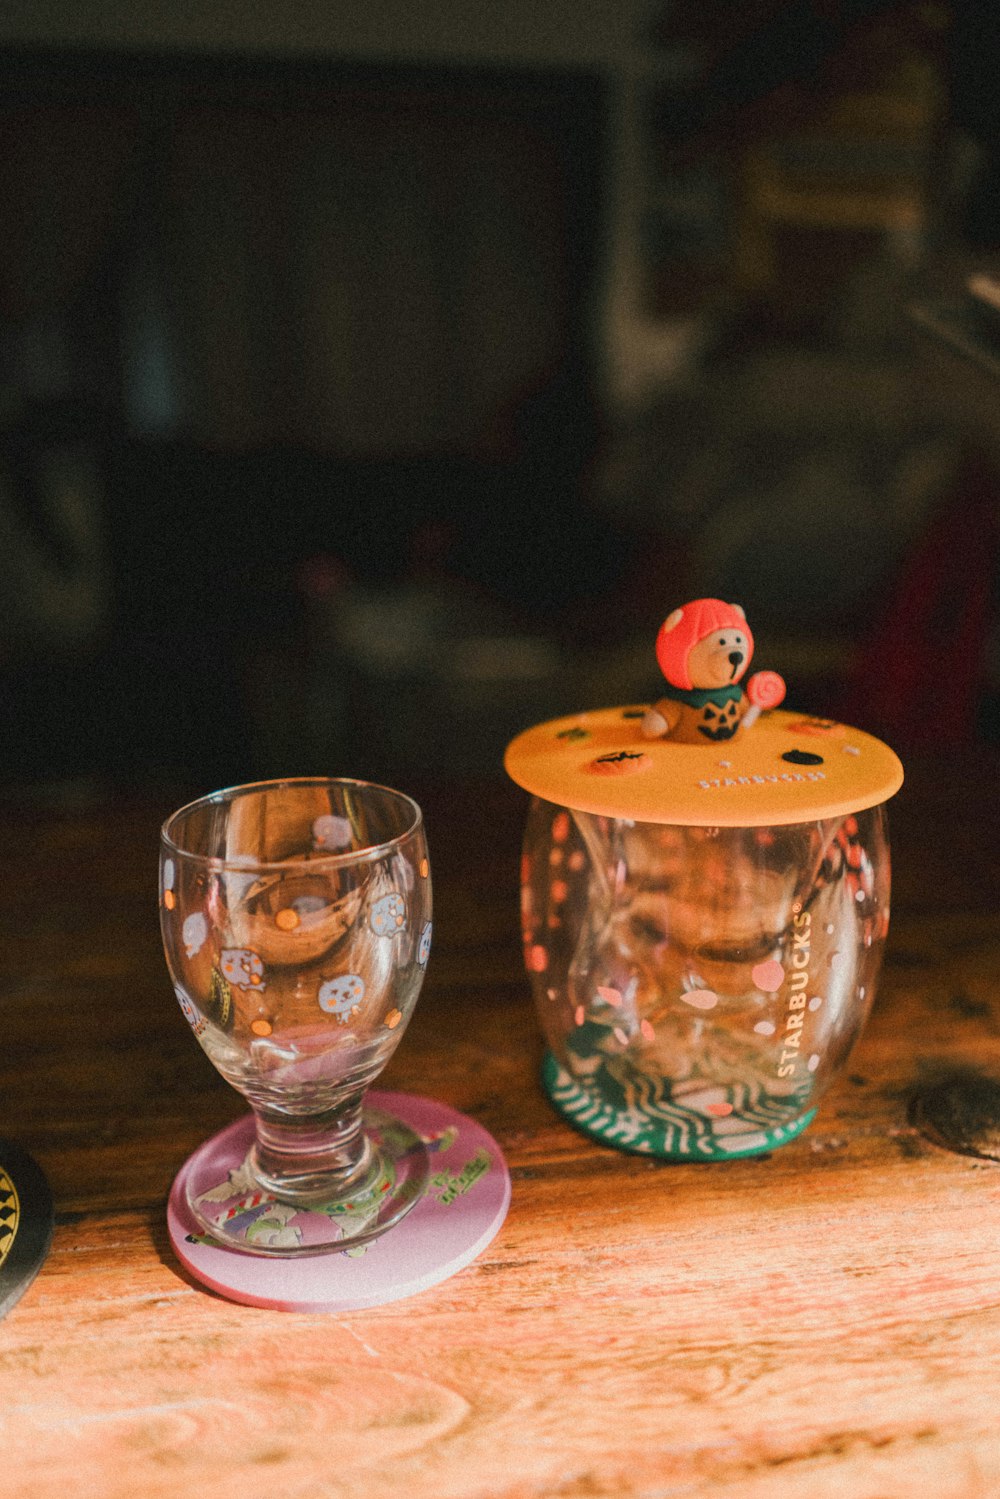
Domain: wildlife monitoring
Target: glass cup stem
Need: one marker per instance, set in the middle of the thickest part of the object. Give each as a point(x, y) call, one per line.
point(323, 1157)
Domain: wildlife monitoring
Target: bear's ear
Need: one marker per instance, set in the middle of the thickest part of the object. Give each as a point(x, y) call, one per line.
point(673, 620)
point(738, 609)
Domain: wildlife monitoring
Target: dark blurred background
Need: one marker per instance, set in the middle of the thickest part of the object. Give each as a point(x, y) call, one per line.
point(374, 379)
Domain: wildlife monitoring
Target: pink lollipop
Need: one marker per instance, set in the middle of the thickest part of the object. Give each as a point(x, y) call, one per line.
point(765, 689)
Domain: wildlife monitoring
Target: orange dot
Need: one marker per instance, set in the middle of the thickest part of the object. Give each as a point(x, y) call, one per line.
point(560, 827)
point(255, 978)
point(393, 1018)
point(168, 899)
point(538, 959)
point(425, 869)
point(287, 919)
point(261, 1027)
point(559, 891)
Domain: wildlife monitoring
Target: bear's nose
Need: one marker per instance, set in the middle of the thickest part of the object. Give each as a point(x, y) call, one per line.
point(735, 658)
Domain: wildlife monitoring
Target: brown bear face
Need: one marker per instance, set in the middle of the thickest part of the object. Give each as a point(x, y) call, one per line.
point(719, 658)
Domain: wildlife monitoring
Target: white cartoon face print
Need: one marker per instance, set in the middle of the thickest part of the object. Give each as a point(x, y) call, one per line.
point(388, 916)
point(243, 968)
point(424, 945)
point(167, 879)
point(342, 995)
point(332, 834)
point(194, 933)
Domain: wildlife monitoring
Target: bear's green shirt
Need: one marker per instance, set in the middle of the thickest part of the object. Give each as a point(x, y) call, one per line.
point(698, 697)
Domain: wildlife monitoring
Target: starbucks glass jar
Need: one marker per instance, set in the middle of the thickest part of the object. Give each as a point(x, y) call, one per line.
point(703, 923)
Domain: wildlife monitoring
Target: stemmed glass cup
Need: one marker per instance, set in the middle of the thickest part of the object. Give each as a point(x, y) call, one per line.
point(296, 920)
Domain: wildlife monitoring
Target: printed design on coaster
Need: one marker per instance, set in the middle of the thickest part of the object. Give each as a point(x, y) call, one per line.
point(464, 1201)
point(725, 1106)
point(251, 1218)
point(219, 1004)
point(25, 1222)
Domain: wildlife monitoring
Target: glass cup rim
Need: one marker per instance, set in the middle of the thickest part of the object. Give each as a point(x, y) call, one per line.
point(368, 853)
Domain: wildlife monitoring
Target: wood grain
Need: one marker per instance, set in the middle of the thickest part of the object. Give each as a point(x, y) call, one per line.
point(822, 1323)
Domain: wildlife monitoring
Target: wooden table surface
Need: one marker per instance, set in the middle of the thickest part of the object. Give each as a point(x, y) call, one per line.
point(823, 1322)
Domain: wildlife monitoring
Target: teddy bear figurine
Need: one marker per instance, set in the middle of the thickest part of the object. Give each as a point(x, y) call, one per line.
point(703, 650)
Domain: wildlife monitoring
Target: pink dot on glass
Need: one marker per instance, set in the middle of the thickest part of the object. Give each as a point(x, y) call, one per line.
point(538, 958)
point(648, 1033)
point(620, 1035)
point(768, 976)
point(578, 1015)
point(610, 996)
point(701, 999)
point(765, 1027)
point(816, 1001)
point(720, 1110)
point(813, 1062)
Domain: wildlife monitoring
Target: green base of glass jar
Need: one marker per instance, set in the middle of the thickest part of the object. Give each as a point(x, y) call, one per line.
point(646, 1120)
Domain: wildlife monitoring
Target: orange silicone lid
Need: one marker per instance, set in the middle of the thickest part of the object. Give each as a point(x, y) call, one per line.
point(785, 768)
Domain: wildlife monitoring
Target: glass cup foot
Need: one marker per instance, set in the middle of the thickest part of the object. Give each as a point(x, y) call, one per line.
point(236, 1212)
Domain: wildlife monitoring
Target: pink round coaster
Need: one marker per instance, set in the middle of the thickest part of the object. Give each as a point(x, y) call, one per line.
point(460, 1213)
